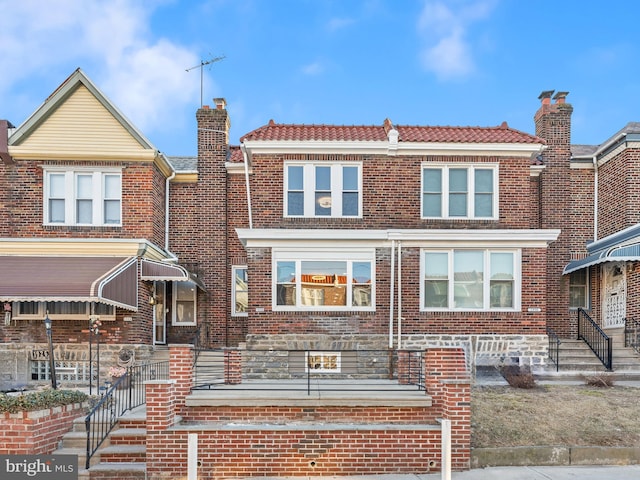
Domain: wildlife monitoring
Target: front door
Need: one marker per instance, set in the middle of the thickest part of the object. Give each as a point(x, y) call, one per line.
point(160, 314)
point(614, 294)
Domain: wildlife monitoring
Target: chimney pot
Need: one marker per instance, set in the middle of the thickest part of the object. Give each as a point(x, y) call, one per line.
point(560, 97)
point(546, 97)
point(221, 103)
point(205, 107)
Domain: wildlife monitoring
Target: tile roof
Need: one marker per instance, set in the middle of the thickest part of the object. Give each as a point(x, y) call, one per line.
point(407, 133)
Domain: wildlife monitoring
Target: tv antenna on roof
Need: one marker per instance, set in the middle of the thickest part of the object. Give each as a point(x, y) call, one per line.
point(201, 66)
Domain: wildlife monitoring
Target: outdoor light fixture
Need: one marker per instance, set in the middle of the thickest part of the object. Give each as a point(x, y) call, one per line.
point(52, 362)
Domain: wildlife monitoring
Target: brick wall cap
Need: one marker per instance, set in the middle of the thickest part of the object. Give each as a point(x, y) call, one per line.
point(159, 382)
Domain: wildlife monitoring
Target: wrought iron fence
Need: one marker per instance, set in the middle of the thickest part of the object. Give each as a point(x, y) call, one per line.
point(554, 348)
point(598, 341)
point(326, 370)
point(124, 393)
point(632, 334)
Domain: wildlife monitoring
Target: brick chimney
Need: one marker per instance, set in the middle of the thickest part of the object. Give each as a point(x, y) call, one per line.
point(5, 125)
point(209, 244)
point(556, 203)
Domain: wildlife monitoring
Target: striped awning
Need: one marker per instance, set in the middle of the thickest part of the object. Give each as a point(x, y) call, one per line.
point(620, 253)
point(167, 272)
point(109, 280)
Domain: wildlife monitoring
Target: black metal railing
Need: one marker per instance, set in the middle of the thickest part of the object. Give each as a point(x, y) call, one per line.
point(598, 341)
point(125, 393)
point(632, 334)
point(307, 370)
point(554, 348)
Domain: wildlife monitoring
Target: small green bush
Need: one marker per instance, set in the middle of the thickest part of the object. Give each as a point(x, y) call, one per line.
point(28, 402)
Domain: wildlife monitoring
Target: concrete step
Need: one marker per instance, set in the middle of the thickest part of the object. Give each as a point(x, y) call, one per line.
point(128, 436)
point(74, 439)
point(128, 470)
point(123, 454)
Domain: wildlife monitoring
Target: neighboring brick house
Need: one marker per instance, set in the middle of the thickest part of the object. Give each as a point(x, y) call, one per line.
point(304, 237)
point(83, 237)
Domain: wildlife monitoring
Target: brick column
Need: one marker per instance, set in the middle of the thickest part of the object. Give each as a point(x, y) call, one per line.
point(161, 414)
point(232, 366)
point(181, 371)
point(449, 385)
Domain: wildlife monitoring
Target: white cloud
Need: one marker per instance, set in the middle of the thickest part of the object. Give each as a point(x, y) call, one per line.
point(144, 76)
point(315, 68)
point(443, 25)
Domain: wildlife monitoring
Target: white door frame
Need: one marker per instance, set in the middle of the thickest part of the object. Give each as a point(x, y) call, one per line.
point(614, 294)
point(160, 313)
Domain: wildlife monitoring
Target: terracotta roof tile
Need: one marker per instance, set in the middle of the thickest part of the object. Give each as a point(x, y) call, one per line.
point(407, 133)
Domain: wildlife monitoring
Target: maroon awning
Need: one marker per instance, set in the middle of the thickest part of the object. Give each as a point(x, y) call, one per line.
point(109, 280)
point(167, 272)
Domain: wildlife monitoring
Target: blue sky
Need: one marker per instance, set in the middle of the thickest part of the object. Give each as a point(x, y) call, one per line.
point(417, 62)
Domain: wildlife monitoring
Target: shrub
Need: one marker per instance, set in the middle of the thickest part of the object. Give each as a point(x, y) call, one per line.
point(28, 402)
point(600, 379)
point(518, 377)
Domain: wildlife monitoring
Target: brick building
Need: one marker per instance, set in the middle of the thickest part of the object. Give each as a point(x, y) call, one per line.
point(323, 238)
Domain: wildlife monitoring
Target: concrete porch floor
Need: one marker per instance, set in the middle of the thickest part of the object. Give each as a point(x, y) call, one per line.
point(318, 392)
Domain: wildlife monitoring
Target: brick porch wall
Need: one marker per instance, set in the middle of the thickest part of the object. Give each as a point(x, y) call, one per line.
point(244, 441)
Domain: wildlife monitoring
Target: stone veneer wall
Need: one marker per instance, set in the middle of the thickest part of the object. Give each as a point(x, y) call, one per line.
point(268, 355)
point(15, 358)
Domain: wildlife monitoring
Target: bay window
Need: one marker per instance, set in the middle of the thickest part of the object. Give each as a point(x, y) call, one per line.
point(324, 280)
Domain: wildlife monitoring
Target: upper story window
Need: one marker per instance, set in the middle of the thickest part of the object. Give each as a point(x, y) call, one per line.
point(82, 197)
point(470, 280)
point(323, 190)
point(460, 191)
point(336, 280)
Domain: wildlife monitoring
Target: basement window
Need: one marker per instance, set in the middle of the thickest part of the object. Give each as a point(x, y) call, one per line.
point(323, 362)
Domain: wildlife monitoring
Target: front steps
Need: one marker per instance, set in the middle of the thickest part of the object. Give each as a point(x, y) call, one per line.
point(122, 454)
point(578, 361)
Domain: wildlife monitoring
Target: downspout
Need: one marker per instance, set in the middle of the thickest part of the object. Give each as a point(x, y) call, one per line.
point(391, 292)
point(166, 212)
point(595, 198)
point(246, 179)
point(399, 295)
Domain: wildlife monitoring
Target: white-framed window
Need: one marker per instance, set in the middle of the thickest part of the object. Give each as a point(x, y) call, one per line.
point(62, 310)
point(323, 362)
point(184, 303)
point(324, 280)
point(470, 279)
point(323, 189)
point(579, 289)
point(82, 196)
point(460, 191)
point(239, 290)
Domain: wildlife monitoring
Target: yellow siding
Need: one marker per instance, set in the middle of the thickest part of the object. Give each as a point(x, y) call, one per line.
point(84, 126)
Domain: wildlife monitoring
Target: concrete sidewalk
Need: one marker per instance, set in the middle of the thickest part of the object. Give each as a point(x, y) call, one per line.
point(597, 472)
point(590, 472)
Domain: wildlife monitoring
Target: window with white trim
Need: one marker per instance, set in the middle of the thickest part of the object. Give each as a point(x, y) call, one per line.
point(470, 279)
point(239, 291)
point(324, 280)
point(184, 303)
point(322, 190)
point(82, 197)
point(460, 191)
point(323, 362)
point(579, 289)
